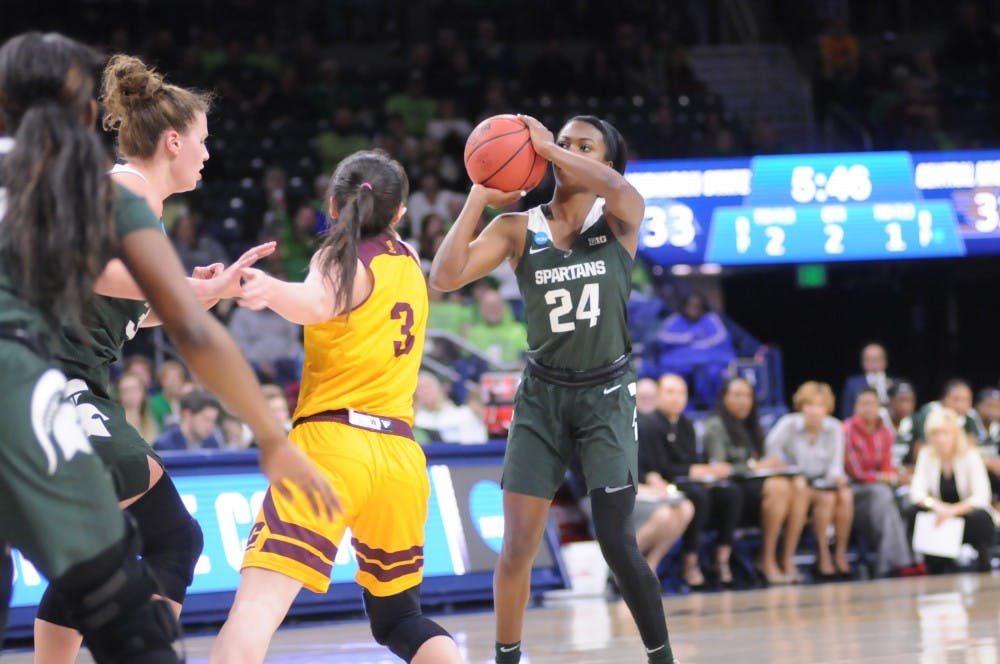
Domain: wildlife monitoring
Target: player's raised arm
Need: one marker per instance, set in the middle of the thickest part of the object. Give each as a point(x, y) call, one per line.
point(461, 259)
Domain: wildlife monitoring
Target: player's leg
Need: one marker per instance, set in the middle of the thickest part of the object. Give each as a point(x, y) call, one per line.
point(261, 602)
point(525, 519)
point(609, 456)
point(67, 521)
point(538, 452)
point(290, 546)
point(389, 543)
point(171, 539)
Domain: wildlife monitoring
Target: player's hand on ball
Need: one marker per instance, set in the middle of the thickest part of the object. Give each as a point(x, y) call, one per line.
point(285, 464)
point(541, 138)
point(494, 197)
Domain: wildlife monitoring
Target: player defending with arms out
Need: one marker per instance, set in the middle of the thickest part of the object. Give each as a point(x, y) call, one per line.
point(364, 308)
point(573, 260)
point(63, 221)
point(161, 133)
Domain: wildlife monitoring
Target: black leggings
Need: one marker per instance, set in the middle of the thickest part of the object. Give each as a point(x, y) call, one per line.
point(979, 532)
point(718, 507)
point(639, 586)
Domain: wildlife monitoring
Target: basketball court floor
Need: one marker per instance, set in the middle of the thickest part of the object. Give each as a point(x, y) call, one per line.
point(946, 619)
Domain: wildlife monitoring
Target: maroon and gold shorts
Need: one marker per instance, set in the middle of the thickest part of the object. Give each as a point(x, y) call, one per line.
point(381, 480)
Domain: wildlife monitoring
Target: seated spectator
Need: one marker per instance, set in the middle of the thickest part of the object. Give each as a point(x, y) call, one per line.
point(196, 431)
point(449, 312)
point(132, 396)
point(645, 395)
point(950, 480)
point(988, 414)
point(668, 453)
point(142, 367)
point(429, 238)
point(344, 137)
point(270, 343)
point(165, 405)
point(440, 418)
point(902, 405)
point(277, 401)
point(874, 363)
point(497, 333)
point(957, 395)
point(298, 240)
point(813, 442)
point(429, 199)
point(732, 435)
point(695, 344)
point(236, 435)
point(868, 445)
point(194, 247)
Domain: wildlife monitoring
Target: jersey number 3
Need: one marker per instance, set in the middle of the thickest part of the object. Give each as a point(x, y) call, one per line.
point(403, 311)
point(588, 309)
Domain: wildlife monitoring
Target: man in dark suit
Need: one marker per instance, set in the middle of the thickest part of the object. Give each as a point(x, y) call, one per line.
point(874, 363)
point(196, 431)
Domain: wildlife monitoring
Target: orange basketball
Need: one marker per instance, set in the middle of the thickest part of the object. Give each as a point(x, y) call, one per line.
point(499, 155)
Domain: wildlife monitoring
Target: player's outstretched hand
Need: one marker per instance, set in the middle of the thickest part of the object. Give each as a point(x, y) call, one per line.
point(208, 271)
point(256, 288)
point(228, 281)
point(494, 197)
point(284, 464)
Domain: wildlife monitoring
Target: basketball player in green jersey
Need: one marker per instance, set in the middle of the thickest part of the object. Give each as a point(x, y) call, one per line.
point(161, 132)
point(56, 235)
point(573, 260)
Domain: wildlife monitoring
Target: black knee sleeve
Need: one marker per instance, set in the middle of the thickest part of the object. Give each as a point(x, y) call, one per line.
point(398, 623)
point(171, 540)
point(109, 599)
point(6, 588)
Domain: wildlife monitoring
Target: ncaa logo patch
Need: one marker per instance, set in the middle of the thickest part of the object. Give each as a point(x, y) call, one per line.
point(541, 238)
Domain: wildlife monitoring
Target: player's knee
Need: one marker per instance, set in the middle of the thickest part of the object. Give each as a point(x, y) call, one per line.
point(518, 550)
point(172, 540)
point(109, 599)
point(398, 623)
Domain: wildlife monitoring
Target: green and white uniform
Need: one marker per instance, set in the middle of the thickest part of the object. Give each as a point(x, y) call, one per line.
point(56, 503)
point(578, 392)
point(87, 364)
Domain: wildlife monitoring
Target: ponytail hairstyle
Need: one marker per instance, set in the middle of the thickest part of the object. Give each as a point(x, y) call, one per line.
point(616, 151)
point(57, 232)
point(368, 187)
point(140, 106)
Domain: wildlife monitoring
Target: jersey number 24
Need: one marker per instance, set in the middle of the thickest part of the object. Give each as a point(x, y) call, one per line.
point(588, 309)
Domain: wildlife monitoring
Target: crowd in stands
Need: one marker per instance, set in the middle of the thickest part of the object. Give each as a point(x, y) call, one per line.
point(291, 103)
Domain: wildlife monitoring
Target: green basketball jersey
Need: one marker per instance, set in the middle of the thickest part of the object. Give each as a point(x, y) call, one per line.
point(131, 213)
point(113, 320)
point(575, 301)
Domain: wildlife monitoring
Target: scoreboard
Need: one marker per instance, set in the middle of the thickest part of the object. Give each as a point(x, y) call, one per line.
point(814, 208)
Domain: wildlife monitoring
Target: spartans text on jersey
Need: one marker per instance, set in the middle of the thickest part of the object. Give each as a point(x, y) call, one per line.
point(569, 273)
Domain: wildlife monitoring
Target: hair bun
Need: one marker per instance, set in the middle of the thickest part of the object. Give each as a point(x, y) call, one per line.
point(128, 84)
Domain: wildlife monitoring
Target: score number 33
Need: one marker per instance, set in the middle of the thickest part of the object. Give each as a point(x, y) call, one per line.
point(588, 309)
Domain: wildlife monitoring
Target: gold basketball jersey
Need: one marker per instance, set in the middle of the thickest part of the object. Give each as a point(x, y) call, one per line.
point(369, 363)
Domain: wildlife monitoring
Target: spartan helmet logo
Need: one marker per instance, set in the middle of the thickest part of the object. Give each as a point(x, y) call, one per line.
point(91, 419)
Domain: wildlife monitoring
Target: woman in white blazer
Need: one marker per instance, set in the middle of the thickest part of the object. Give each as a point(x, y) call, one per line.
point(950, 479)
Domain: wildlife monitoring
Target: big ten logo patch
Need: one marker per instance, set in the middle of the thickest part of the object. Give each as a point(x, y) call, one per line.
point(599, 239)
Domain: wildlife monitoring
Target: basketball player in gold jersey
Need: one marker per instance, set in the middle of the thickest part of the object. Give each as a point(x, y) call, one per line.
point(364, 308)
